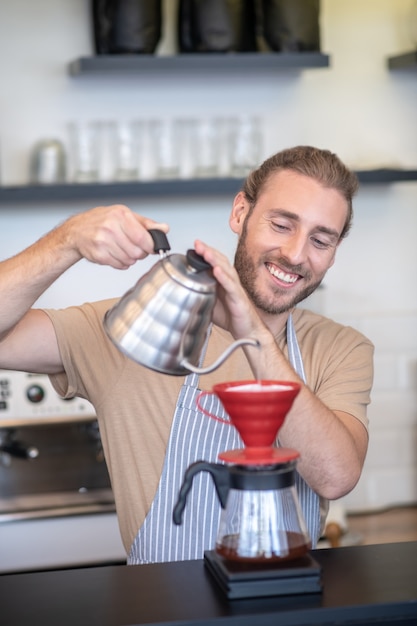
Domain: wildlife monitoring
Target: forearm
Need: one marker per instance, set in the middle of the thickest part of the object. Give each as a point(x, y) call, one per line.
point(24, 277)
point(332, 446)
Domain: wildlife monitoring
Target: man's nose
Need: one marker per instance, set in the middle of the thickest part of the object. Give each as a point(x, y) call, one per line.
point(295, 248)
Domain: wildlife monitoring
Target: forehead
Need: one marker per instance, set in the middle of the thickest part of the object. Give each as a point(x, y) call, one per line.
point(308, 200)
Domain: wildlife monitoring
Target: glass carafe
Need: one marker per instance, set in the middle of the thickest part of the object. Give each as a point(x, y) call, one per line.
point(261, 524)
point(261, 519)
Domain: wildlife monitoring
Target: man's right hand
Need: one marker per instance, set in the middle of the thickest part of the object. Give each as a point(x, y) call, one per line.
point(112, 235)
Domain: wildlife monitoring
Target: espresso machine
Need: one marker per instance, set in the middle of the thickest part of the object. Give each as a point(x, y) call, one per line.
point(262, 546)
point(57, 506)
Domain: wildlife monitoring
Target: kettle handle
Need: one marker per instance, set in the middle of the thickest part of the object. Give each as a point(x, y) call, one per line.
point(221, 477)
point(160, 240)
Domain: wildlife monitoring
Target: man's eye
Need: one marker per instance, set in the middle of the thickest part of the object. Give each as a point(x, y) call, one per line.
point(320, 244)
point(280, 227)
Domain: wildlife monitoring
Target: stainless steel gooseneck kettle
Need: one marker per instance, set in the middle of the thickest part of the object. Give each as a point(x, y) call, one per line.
point(162, 322)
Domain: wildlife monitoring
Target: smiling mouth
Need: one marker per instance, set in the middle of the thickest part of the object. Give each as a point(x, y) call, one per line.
point(284, 277)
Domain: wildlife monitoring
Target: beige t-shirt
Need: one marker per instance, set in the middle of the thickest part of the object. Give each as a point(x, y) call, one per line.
point(135, 406)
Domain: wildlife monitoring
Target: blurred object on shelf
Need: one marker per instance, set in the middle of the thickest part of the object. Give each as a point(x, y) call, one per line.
point(206, 139)
point(291, 25)
point(48, 162)
point(126, 26)
point(163, 148)
point(85, 149)
point(126, 141)
point(216, 26)
point(166, 146)
point(246, 145)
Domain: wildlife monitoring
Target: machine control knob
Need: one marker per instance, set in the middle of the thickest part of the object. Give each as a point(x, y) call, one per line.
point(35, 393)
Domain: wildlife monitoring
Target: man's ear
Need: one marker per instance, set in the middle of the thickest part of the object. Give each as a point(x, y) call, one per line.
point(239, 211)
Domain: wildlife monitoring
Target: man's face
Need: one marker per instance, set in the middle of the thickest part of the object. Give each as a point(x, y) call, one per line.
point(289, 240)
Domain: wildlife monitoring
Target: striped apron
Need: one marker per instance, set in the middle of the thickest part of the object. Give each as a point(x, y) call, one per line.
point(195, 437)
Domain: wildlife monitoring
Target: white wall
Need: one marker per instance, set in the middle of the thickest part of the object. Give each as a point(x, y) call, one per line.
point(356, 107)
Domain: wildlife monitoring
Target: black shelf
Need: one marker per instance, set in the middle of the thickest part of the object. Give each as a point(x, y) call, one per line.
point(407, 61)
point(116, 190)
point(161, 188)
point(121, 64)
point(386, 175)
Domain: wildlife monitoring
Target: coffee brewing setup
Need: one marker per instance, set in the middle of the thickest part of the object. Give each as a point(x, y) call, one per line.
point(263, 543)
point(262, 546)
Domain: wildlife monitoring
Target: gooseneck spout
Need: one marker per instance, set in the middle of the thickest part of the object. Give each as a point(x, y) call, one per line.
point(222, 357)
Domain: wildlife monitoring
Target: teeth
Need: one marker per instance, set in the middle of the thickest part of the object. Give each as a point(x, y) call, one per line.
point(286, 278)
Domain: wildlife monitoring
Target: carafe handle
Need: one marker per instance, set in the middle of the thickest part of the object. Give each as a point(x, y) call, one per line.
point(221, 478)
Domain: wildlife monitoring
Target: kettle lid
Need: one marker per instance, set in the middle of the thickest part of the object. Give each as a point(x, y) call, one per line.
point(190, 271)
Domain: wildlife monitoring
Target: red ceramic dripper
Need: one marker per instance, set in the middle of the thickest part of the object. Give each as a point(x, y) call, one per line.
point(257, 409)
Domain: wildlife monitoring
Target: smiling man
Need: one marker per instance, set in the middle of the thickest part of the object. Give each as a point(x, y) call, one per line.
point(305, 230)
point(289, 218)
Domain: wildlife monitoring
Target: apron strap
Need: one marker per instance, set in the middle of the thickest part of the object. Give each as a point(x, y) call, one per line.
point(294, 352)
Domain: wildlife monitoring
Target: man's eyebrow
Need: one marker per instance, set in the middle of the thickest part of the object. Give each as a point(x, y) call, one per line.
point(296, 218)
point(329, 231)
point(284, 213)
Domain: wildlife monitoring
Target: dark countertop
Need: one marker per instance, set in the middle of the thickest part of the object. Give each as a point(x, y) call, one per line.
point(361, 584)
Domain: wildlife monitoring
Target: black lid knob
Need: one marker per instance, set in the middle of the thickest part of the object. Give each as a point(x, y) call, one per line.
point(196, 261)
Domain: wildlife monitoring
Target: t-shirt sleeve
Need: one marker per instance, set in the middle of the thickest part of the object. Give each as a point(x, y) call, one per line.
point(85, 349)
point(342, 366)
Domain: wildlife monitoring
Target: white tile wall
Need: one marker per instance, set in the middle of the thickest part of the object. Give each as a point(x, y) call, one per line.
point(390, 473)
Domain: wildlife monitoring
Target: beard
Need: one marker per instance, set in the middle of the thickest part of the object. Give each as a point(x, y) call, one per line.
point(278, 301)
